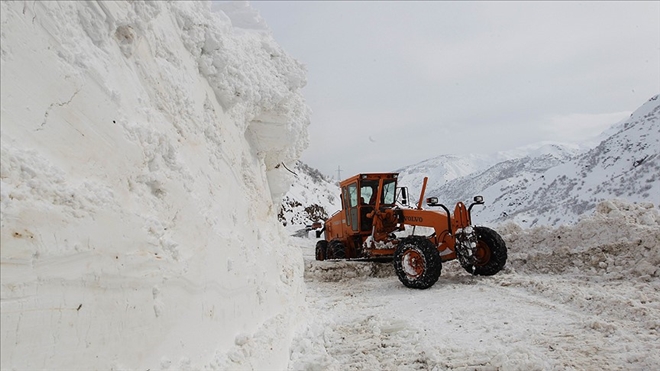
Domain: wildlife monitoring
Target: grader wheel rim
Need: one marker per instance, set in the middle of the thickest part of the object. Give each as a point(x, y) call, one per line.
point(413, 263)
point(482, 254)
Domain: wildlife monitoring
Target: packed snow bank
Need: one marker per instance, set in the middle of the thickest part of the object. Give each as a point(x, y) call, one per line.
point(140, 187)
point(621, 240)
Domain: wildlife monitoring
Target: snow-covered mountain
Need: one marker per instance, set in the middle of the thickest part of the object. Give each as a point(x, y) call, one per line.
point(466, 187)
point(443, 170)
point(311, 198)
point(626, 165)
point(140, 185)
point(554, 183)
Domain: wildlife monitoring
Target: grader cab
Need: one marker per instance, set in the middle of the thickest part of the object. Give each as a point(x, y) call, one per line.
point(377, 223)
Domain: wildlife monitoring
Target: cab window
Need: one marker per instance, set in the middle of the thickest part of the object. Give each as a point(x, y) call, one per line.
point(352, 190)
point(352, 195)
point(368, 192)
point(389, 192)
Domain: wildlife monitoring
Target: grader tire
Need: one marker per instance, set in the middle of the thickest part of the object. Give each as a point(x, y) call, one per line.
point(490, 254)
point(417, 262)
point(336, 250)
point(321, 250)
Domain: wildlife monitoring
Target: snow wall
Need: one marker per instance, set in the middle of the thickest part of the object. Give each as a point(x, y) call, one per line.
point(140, 188)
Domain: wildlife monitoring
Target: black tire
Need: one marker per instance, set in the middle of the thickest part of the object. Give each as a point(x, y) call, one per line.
point(321, 250)
point(336, 250)
point(490, 255)
point(417, 262)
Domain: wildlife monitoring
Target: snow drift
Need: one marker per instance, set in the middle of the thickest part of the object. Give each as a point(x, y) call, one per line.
point(619, 241)
point(140, 187)
point(311, 198)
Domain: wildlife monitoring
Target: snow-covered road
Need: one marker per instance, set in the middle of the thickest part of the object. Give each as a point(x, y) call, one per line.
point(363, 318)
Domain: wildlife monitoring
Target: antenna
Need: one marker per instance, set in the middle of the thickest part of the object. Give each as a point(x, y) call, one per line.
point(339, 173)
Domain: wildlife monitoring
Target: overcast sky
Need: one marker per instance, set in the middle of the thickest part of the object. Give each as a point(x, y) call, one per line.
point(393, 83)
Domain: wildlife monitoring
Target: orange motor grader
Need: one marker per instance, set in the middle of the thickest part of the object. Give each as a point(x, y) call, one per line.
point(377, 223)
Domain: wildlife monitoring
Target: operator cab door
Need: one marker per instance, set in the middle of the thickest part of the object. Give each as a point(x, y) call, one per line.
point(351, 205)
point(368, 195)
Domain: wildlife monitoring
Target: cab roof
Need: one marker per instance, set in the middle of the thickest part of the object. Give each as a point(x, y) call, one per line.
point(370, 176)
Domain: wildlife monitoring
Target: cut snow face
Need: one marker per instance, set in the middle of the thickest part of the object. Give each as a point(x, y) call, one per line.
point(140, 187)
point(587, 300)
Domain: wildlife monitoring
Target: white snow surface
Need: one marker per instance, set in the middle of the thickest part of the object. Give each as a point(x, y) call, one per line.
point(585, 297)
point(626, 165)
point(140, 187)
point(311, 198)
point(444, 168)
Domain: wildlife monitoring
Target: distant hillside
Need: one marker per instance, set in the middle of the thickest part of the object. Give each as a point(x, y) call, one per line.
point(444, 168)
point(312, 197)
point(520, 170)
point(626, 165)
point(551, 183)
point(455, 178)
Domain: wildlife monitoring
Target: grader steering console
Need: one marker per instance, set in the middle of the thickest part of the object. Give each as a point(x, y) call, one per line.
point(376, 223)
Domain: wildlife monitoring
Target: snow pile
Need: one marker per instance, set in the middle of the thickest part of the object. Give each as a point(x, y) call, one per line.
point(620, 241)
point(140, 186)
point(269, 112)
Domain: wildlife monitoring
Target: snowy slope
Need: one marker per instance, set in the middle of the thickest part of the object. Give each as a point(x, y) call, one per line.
point(443, 169)
point(511, 171)
point(626, 165)
point(140, 187)
point(311, 198)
